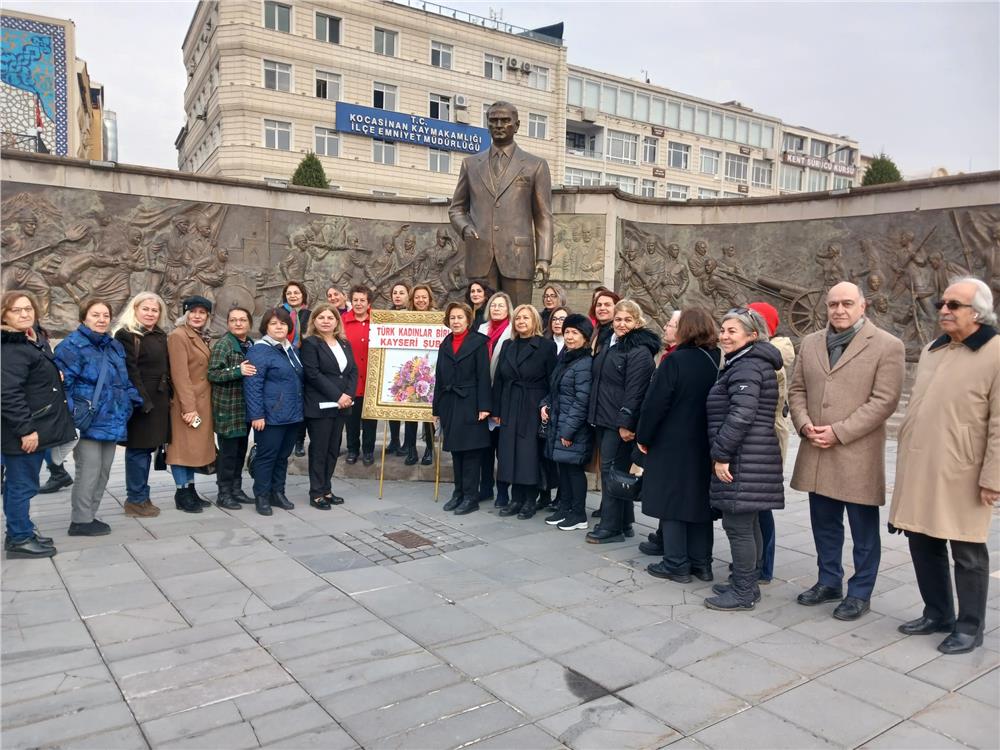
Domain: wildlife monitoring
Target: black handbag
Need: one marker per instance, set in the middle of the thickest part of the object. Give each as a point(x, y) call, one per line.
point(543, 430)
point(624, 486)
point(160, 459)
point(250, 459)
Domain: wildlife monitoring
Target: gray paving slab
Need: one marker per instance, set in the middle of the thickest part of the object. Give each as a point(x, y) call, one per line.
point(908, 735)
point(684, 702)
point(528, 737)
point(611, 664)
point(962, 718)
point(541, 688)
point(376, 693)
point(757, 729)
point(836, 716)
point(745, 674)
point(882, 687)
point(607, 723)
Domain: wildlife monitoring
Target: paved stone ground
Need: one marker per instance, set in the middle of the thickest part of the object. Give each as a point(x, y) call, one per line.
point(311, 629)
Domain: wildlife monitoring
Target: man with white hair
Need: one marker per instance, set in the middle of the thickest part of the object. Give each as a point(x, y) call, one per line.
point(948, 466)
point(847, 382)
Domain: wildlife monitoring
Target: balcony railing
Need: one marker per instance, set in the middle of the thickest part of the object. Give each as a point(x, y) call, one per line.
point(586, 153)
point(23, 142)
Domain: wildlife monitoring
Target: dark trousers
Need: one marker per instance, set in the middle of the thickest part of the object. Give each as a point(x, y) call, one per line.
point(550, 470)
point(229, 464)
point(523, 493)
point(615, 514)
point(519, 289)
point(573, 490)
point(360, 432)
point(270, 466)
point(487, 467)
point(827, 517)
point(972, 577)
point(766, 520)
point(410, 434)
point(745, 543)
point(394, 432)
point(324, 447)
point(466, 467)
point(137, 463)
point(21, 485)
point(686, 546)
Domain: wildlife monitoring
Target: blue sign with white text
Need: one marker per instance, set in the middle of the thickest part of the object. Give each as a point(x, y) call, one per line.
point(422, 131)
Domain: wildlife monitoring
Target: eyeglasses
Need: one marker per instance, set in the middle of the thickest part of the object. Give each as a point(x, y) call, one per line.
point(548, 295)
point(559, 318)
point(951, 304)
point(22, 310)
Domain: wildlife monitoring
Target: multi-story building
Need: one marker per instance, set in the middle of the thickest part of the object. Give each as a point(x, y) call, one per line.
point(47, 101)
point(388, 96)
point(391, 93)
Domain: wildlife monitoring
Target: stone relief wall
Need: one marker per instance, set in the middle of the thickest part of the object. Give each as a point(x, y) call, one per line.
point(902, 261)
point(66, 245)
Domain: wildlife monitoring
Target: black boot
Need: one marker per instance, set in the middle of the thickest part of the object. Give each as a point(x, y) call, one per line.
point(58, 478)
point(428, 458)
point(225, 497)
point(239, 495)
point(527, 510)
point(300, 448)
point(278, 499)
point(453, 502)
point(469, 505)
point(512, 508)
point(202, 502)
point(411, 455)
point(263, 504)
point(184, 502)
point(743, 594)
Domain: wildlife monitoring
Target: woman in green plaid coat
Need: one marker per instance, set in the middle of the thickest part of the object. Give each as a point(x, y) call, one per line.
point(226, 370)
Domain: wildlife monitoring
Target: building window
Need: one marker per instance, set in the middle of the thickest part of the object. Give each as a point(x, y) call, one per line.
point(538, 78)
point(791, 178)
point(677, 192)
point(622, 149)
point(844, 155)
point(327, 142)
point(705, 193)
point(277, 76)
point(819, 149)
point(441, 55)
point(383, 194)
point(710, 161)
point(277, 16)
point(623, 183)
point(817, 180)
point(383, 152)
point(537, 125)
point(327, 85)
point(327, 28)
point(440, 108)
point(439, 161)
point(574, 91)
point(650, 146)
point(842, 183)
point(581, 177)
point(736, 168)
point(486, 112)
point(278, 135)
point(794, 143)
point(733, 195)
point(493, 67)
point(648, 189)
point(678, 155)
point(385, 42)
point(384, 96)
point(762, 173)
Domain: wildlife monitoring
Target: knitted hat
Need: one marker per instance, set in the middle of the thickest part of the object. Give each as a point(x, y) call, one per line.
point(768, 313)
point(581, 323)
point(196, 301)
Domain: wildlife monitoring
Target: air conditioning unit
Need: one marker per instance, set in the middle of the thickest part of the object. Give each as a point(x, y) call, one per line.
point(513, 63)
point(589, 114)
point(526, 67)
point(461, 101)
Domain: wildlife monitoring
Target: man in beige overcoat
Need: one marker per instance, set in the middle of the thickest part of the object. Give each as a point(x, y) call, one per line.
point(948, 467)
point(847, 382)
point(502, 209)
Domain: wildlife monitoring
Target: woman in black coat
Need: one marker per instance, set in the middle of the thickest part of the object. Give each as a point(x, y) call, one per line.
point(140, 332)
point(621, 374)
point(521, 382)
point(330, 378)
point(462, 403)
point(747, 471)
point(35, 417)
point(673, 433)
point(569, 438)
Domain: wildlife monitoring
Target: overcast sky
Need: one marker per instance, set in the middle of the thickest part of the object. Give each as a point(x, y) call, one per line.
point(919, 80)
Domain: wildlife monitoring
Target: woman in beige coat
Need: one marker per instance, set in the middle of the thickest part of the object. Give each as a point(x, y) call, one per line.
point(192, 443)
point(948, 467)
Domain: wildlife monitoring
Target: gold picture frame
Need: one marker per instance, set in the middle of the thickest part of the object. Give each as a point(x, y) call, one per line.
point(385, 364)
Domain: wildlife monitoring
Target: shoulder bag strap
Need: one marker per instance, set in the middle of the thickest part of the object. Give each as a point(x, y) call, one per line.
point(100, 380)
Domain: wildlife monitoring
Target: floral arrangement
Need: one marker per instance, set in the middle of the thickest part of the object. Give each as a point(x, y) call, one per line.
point(413, 382)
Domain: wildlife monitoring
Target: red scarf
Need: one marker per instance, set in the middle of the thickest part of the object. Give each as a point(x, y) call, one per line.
point(457, 339)
point(494, 332)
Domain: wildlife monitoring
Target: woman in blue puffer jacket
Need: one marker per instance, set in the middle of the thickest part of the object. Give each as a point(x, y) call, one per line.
point(747, 469)
point(569, 438)
point(274, 400)
point(100, 397)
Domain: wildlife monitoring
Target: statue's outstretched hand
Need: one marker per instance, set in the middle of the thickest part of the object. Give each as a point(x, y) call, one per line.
point(542, 271)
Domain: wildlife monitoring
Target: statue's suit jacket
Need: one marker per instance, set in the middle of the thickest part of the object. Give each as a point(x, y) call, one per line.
point(513, 218)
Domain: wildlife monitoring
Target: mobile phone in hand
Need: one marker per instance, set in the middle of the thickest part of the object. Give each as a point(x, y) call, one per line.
point(196, 422)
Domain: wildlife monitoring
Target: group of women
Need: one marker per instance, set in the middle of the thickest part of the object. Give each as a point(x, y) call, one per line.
point(548, 399)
